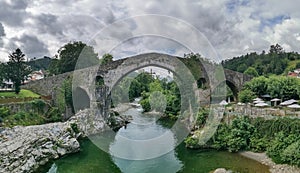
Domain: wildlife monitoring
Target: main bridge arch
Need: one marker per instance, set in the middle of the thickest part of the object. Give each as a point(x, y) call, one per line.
point(183, 78)
point(112, 73)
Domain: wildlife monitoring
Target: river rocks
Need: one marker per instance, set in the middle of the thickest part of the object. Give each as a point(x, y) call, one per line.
point(23, 149)
point(89, 122)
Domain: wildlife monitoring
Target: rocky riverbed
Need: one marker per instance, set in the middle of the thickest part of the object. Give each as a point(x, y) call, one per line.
point(24, 149)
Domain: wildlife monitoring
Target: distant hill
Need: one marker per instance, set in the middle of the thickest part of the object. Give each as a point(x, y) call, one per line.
point(276, 61)
point(40, 64)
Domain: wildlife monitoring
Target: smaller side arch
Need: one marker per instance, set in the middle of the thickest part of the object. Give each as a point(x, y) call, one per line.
point(82, 99)
point(234, 89)
point(220, 92)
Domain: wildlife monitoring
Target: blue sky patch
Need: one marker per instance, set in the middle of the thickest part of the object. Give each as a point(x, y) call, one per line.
point(271, 22)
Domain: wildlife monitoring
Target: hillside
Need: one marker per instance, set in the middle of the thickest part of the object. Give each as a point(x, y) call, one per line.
point(40, 64)
point(276, 61)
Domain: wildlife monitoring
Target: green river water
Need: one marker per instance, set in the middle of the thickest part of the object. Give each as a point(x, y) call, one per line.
point(136, 157)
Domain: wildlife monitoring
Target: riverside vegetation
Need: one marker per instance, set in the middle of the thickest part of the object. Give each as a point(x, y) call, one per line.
point(278, 137)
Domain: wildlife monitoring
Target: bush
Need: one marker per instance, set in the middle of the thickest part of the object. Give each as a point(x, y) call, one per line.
point(4, 112)
point(146, 105)
point(54, 115)
point(258, 144)
point(191, 142)
point(74, 127)
point(246, 96)
point(279, 144)
point(201, 117)
point(38, 105)
point(291, 154)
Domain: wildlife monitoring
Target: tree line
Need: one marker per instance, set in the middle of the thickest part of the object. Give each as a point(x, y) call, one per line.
point(276, 61)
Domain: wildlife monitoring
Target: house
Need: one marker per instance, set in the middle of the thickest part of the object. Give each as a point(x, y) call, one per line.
point(295, 73)
point(35, 75)
point(7, 85)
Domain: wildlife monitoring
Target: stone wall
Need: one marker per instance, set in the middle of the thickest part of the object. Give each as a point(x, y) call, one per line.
point(24, 106)
point(47, 85)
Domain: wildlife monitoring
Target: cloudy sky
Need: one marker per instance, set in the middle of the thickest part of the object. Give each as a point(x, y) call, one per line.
point(229, 27)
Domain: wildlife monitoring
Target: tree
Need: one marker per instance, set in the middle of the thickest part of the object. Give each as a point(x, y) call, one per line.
point(246, 96)
point(53, 67)
point(276, 49)
point(241, 68)
point(16, 69)
point(106, 58)
point(251, 71)
point(257, 85)
point(69, 54)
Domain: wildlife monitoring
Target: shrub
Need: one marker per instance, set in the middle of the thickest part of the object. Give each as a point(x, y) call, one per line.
point(146, 105)
point(246, 96)
point(191, 142)
point(258, 144)
point(4, 112)
point(291, 154)
point(54, 115)
point(74, 127)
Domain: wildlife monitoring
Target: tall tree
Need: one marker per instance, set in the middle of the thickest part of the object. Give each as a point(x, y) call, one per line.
point(69, 54)
point(277, 49)
point(16, 70)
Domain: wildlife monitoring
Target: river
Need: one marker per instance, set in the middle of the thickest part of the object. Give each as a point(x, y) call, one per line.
point(134, 149)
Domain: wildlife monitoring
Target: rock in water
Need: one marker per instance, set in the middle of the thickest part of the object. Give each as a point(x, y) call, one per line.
point(23, 149)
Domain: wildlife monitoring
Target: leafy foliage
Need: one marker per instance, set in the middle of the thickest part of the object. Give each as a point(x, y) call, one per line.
point(246, 96)
point(277, 86)
point(4, 112)
point(106, 58)
point(280, 138)
point(68, 58)
point(74, 127)
point(251, 71)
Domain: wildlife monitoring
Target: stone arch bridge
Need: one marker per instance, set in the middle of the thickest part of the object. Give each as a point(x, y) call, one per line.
point(84, 80)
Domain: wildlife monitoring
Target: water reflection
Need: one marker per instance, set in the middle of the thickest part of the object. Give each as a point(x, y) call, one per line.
point(144, 146)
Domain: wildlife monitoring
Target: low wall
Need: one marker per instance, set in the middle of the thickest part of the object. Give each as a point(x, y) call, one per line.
point(25, 107)
point(47, 85)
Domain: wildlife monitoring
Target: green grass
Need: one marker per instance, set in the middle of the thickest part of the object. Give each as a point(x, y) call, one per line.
point(23, 94)
point(24, 119)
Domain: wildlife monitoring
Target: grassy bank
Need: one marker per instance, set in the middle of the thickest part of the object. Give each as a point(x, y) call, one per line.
point(23, 94)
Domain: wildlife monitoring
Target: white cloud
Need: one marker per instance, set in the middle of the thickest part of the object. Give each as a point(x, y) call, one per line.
point(234, 27)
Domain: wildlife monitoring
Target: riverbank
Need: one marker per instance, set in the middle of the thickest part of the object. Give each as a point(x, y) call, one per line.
point(25, 148)
point(120, 108)
point(274, 168)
